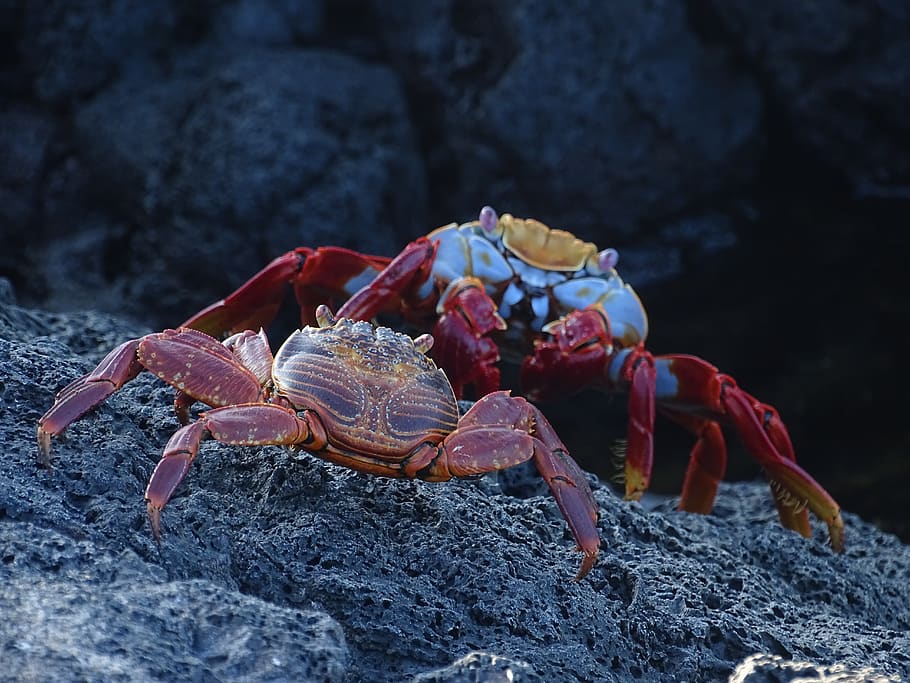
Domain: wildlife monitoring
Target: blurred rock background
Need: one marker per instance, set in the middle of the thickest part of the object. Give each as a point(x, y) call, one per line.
point(750, 161)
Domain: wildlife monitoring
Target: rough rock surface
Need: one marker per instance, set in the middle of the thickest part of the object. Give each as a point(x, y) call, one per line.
point(276, 566)
point(842, 68)
point(749, 161)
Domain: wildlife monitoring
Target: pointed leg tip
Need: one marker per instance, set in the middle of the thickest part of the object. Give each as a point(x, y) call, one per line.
point(154, 515)
point(633, 494)
point(44, 447)
point(587, 563)
point(836, 533)
point(636, 484)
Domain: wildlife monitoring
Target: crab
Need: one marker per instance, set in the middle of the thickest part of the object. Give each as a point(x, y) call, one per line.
point(366, 398)
point(516, 288)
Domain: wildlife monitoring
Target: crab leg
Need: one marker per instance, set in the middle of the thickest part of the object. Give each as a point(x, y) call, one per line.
point(500, 431)
point(316, 275)
point(186, 359)
point(640, 374)
point(707, 462)
point(688, 384)
point(690, 391)
point(693, 393)
point(461, 344)
point(569, 487)
point(400, 277)
point(763, 432)
point(706, 468)
point(248, 425)
point(81, 395)
point(580, 355)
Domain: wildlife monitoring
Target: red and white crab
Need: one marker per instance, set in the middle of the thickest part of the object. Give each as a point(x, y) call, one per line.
point(556, 303)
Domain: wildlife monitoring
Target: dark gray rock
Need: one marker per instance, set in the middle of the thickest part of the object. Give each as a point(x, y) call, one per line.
point(72, 49)
point(237, 159)
point(748, 159)
point(25, 138)
point(765, 668)
point(839, 72)
point(649, 119)
point(266, 553)
point(82, 613)
point(269, 22)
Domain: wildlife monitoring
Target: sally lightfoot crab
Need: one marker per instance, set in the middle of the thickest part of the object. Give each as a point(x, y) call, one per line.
point(557, 306)
point(362, 397)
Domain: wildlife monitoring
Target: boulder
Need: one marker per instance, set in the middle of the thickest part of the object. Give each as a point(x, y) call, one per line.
point(279, 566)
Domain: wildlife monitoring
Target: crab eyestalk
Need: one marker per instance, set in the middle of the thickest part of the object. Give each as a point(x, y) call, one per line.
point(489, 222)
point(324, 316)
point(423, 343)
point(602, 262)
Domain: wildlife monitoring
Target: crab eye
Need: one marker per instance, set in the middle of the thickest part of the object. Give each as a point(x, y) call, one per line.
point(489, 222)
point(603, 262)
point(324, 316)
point(423, 343)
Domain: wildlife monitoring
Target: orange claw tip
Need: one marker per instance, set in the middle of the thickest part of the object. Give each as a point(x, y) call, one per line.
point(634, 492)
point(636, 483)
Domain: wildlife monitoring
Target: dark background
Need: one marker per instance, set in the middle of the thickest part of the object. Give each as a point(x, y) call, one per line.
point(749, 160)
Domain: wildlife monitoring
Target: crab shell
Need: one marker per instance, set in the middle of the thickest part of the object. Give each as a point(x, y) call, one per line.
point(375, 390)
point(524, 264)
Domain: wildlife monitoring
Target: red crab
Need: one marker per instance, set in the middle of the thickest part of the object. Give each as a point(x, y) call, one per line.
point(555, 303)
point(368, 399)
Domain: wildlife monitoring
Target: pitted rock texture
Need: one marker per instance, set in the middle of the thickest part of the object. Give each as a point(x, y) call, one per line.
point(748, 160)
point(279, 566)
point(83, 613)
